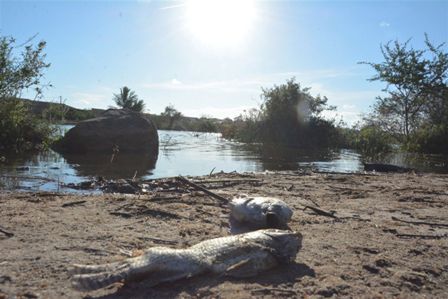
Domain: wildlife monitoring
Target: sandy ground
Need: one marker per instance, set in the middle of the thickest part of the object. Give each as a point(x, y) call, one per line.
point(368, 252)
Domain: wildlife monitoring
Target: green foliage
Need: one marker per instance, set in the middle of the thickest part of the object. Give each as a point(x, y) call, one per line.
point(292, 116)
point(288, 115)
point(171, 115)
point(19, 74)
point(246, 128)
point(371, 141)
point(205, 124)
point(417, 91)
point(79, 115)
point(433, 139)
point(128, 99)
point(20, 130)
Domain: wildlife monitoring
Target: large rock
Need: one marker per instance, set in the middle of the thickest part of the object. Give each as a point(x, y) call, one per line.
point(129, 131)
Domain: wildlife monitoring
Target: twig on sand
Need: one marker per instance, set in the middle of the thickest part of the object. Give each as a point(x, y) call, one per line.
point(401, 235)
point(6, 232)
point(224, 181)
point(321, 212)
point(73, 203)
point(420, 222)
point(121, 214)
point(211, 172)
point(184, 180)
point(157, 240)
point(274, 290)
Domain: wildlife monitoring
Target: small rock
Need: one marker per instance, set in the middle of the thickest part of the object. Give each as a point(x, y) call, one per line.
point(382, 263)
point(22, 168)
point(371, 269)
point(5, 279)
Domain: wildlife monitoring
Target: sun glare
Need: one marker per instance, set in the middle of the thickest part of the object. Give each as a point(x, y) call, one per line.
point(220, 22)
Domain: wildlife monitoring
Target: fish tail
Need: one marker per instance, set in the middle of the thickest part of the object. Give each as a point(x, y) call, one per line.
point(97, 280)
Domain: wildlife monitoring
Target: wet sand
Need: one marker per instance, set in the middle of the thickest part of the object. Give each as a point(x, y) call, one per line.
point(389, 237)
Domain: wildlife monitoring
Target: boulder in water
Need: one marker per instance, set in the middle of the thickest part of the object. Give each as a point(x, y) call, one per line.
point(117, 130)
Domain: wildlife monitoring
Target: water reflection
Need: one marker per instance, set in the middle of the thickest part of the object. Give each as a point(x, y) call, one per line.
point(120, 166)
point(192, 153)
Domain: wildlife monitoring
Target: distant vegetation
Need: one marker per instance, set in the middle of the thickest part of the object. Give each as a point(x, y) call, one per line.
point(289, 115)
point(171, 119)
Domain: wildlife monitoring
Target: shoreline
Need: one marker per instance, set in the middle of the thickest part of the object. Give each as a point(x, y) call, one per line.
point(389, 240)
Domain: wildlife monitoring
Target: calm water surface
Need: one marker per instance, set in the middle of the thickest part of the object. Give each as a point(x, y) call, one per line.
point(187, 153)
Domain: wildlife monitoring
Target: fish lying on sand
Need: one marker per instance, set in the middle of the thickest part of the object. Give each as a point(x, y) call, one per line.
point(243, 255)
point(260, 212)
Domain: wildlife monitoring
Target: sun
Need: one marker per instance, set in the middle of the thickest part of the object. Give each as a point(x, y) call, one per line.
point(220, 22)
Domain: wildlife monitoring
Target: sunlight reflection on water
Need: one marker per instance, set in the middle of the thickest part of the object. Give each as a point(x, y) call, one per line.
point(187, 153)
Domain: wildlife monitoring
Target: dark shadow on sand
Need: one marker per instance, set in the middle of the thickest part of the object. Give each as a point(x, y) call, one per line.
point(199, 285)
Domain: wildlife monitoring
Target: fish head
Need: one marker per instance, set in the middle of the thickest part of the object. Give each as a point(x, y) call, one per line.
point(278, 215)
point(284, 244)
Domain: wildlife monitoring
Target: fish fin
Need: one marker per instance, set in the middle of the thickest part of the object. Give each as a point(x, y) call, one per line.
point(240, 269)
point(251, 266)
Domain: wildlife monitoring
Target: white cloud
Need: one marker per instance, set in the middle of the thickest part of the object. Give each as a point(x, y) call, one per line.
point(175, 82)
point(216, 98)
point(217, 112)
point(222, 86)
point(252, 84)
point(384, 24)
point(89, 100)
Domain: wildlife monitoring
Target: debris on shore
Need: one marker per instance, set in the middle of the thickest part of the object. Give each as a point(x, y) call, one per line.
point(364, 235)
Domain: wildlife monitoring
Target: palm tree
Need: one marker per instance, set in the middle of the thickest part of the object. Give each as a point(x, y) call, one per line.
point(128, 99)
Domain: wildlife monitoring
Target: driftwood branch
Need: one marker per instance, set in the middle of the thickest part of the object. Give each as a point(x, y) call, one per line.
point(321, 212)
point(6, 232)
point(184, 180)
point(402, 235)
point(420, 222)
point(73, 203)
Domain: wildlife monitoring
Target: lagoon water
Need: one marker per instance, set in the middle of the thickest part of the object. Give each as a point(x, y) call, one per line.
point(187, 153)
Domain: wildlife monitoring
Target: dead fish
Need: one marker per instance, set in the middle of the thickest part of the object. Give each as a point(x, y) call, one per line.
point(260, 212)
point(242, 255)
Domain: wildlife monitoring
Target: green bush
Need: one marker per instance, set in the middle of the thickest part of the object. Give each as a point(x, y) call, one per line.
point(290, 116)
point(430, 140)
point(371, 140)
point(20, 130)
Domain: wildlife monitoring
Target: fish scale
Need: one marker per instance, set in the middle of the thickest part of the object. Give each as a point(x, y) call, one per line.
point(239, 256)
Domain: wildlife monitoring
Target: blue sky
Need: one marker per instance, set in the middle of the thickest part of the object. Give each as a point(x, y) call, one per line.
point(96, 47)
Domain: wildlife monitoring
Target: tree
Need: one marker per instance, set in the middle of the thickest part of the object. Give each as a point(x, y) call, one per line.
point(288, 115)
point(416, 86)
point(171, 115)
point(290, 112)
point(17, 74)
point(20, 130)
point(128, 99)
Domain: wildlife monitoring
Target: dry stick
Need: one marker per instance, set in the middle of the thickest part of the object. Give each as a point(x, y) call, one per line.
point(7, 233)
point(420, 222)
point(270, 290)
point(223, 200)
point(229, 181)
point(73, 203)
point(320, 212)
